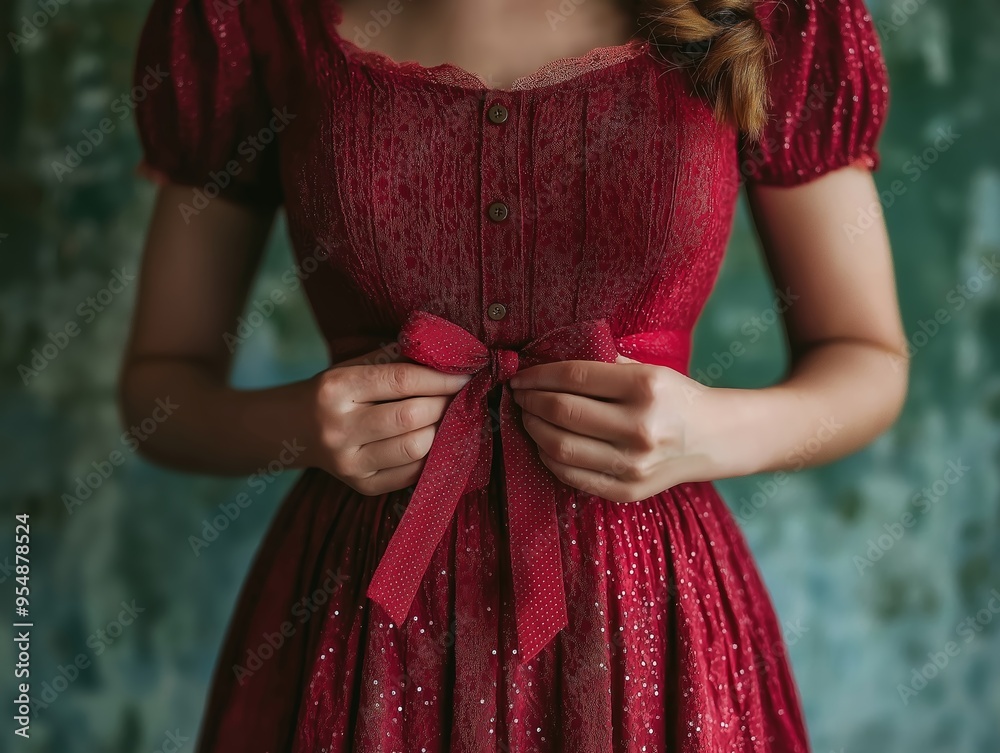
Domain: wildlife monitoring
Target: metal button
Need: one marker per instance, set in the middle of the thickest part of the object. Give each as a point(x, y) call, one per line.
point(497, 114)
point(498, 211)
point(497, 311)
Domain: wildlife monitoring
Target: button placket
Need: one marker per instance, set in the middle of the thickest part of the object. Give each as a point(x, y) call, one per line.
point(500, 239)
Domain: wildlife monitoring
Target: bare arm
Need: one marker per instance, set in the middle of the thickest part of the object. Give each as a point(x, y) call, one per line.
point(850, 367)
point(370, 425)
point(192, 286)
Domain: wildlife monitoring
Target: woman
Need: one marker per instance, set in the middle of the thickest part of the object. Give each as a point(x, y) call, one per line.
point(474, 560)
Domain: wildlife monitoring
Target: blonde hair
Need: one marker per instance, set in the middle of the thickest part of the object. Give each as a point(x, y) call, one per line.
point(726, 51)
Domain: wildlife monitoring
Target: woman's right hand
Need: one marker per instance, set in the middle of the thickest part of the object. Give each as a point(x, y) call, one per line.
point(377, 416)
point(369, 421)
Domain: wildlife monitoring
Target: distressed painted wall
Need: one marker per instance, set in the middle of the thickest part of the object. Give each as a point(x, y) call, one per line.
point(874, 562)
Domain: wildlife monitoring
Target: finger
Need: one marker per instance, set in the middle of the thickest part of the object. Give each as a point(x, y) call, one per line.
point(575, 449)
point(591, 482)
point(393, 452)
point(580, 415)
point(384, 420)
point(393, 381)
point(613, 381)
point(392, 479)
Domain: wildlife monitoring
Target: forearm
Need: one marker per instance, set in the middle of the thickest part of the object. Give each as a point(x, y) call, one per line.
point(837, 398)
point(182, 416)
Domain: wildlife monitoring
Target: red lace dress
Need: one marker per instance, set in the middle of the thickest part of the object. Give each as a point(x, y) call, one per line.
point(582, 211)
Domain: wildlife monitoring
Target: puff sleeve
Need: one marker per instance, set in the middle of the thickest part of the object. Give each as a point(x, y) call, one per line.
point(204, 119)
point(827, 88)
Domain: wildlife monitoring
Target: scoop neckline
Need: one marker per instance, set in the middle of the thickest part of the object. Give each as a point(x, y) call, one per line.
point(595, 60)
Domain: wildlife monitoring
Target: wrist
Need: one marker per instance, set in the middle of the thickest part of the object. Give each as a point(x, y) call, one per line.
point(306, 409)
point(727, 434)
point(285, 416)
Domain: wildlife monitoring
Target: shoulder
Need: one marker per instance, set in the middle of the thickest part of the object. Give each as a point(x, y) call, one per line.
point(825, 44)
point(816, 28)
point(780, 16)
point(827, 89)
point(223, 23)
point(212, 93)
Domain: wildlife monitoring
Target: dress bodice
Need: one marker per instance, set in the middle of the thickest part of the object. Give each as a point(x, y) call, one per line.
point(599, 186)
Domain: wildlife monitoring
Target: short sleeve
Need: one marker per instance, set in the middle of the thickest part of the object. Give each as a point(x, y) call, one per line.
point(203, 117)
point(827, 89)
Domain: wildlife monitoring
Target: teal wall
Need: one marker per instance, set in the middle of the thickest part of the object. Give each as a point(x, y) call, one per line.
point(855, 633)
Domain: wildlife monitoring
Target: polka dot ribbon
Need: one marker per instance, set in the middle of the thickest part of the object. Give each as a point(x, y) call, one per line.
point(460, 460)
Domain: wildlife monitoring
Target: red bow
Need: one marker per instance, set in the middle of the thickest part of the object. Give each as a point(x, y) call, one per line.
point(460, 460)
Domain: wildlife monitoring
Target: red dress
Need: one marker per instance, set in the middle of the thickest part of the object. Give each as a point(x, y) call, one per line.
point(582, 211)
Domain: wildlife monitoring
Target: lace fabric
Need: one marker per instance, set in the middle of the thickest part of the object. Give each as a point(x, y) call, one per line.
point(553, 73)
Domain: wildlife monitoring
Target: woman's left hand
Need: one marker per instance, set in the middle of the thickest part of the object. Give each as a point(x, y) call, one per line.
point(622, 431)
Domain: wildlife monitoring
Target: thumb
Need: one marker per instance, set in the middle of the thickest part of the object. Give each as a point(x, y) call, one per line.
point(625, 359)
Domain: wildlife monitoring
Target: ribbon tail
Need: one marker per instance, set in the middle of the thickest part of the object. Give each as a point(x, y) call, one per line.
point(536, 562)
point(450, 465)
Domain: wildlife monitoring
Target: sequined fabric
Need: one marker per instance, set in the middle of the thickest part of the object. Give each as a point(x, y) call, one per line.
point(620, 190)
